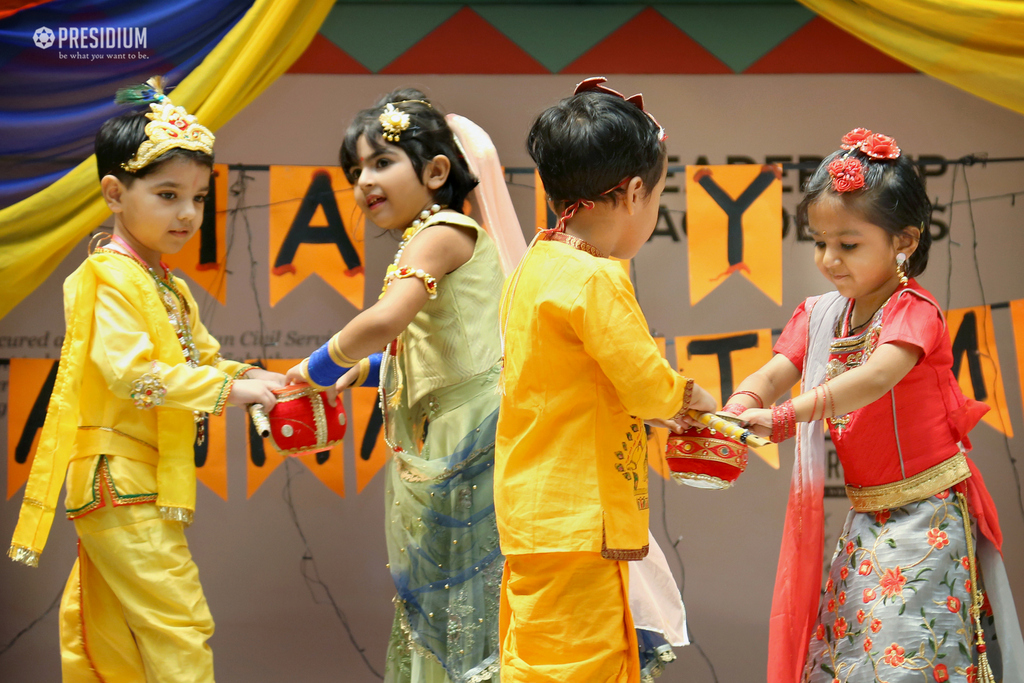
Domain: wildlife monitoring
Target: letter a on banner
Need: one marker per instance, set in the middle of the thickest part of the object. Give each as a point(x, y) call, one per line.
point(203, 257)
point(719, 362)
point(734, 224)
point(976, 363)
point(262, 460)
point(315, 227)
point(30, 384)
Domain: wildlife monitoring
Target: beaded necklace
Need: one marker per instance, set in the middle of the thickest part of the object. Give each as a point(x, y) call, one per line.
point(178, 313)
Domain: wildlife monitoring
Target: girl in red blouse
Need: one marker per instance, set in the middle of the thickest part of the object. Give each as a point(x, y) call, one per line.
point(905, 596)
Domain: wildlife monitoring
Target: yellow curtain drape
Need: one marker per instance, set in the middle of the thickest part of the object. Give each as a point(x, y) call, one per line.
point(39, 231)
point(976, 45)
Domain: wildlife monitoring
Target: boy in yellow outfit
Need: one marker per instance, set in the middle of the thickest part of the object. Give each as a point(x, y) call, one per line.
point(138, 372)
point(581, 375)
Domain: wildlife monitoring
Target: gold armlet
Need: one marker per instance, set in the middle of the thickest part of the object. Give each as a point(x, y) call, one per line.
point(338, 356)
point(429, 281)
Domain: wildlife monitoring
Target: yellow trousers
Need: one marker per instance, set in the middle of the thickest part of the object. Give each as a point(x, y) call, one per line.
point(133, 610)
point(565, 617)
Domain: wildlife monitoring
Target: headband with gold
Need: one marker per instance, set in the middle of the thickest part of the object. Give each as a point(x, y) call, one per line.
point(169, 126)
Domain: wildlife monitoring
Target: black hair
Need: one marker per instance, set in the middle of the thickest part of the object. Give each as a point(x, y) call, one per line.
point(893, 198)
point(118, 140)
point(590, 142)
point(427, 136)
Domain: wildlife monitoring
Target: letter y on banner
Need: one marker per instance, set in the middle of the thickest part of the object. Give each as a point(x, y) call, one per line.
point(734, 223)
point(315, 227)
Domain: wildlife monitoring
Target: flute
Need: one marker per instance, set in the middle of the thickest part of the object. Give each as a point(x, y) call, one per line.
point(259, 419)
point(730, 429)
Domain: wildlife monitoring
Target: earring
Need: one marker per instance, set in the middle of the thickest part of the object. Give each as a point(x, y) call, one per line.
point(901, 267)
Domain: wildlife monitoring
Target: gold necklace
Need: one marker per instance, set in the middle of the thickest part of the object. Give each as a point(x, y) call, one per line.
point(577, 243)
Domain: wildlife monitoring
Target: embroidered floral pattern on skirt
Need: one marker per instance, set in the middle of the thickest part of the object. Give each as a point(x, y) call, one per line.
point(895, 606)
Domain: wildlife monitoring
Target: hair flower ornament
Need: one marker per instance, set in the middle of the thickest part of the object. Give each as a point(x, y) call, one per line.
point(855, 137)
point(847, 174)
point(394, 121)
point(878, 146)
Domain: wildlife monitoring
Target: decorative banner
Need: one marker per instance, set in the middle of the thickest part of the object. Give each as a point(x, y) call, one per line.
point(1017, 316)
point(262, 460)
point(28, 390)
point(980, 378)
point(315, 227)
point(368, 434)
point(203, 257)
point(212, 456)
point(544, 218)
point(720, 362)
point(734, 224)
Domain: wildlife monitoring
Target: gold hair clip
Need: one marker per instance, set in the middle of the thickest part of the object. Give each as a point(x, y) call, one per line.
point(394, 121)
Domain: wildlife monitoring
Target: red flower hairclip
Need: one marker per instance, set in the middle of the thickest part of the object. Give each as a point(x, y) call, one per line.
point(595, 83)
point(875, 145)
point(847, 174)
point(855, 137)
point(880, 146)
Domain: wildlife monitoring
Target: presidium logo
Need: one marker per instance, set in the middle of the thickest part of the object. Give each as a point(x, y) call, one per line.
point(43, 37)
point(132, 38)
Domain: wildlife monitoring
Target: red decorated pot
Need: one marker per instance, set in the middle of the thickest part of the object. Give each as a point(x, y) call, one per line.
point(302, 421)
point(705, 459)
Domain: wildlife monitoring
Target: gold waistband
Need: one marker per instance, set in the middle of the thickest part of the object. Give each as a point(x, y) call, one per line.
point(912, 489)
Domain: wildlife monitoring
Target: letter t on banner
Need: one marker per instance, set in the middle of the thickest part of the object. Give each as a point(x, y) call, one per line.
point(734, 224)
point(720, 362)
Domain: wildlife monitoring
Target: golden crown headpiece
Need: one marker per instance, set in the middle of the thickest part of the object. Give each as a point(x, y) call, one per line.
point(394, 121)
point(169, 126)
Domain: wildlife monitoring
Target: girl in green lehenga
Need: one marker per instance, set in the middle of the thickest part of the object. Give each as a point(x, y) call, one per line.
point(438, 316)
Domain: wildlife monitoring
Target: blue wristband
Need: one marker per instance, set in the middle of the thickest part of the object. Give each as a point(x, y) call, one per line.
point(322, 369)
point(373, 377)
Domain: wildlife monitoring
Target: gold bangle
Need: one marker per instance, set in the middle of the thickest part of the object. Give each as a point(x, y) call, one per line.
point(364, 372)
point(339, 357)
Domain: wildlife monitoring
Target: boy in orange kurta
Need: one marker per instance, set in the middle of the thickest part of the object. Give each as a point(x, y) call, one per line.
point(581, 376)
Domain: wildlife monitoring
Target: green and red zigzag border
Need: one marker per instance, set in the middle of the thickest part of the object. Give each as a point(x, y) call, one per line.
point(576, 39)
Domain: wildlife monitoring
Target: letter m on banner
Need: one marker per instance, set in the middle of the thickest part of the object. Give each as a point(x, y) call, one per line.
point(976, 363)
point(734, 224)
point(315, 227)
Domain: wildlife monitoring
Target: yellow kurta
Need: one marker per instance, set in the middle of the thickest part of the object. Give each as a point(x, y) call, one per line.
point(133, 608)
point(581, 375)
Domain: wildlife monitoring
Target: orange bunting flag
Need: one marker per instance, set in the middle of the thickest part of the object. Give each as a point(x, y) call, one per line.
point(720, 362)
point(29, 386)
point(543, 218)
point(1017, 316)
point(368, 435)
point(262, 459)
point(212, 456)
point(734, 224)
point(976, 363)
point(315, 227)
point(657, 436)
point(203, 257)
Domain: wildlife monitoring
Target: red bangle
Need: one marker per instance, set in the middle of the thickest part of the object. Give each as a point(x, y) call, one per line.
point(783, 422)
point(751, 394)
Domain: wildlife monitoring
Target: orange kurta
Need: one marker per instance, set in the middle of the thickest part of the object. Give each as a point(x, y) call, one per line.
point(581, 374)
